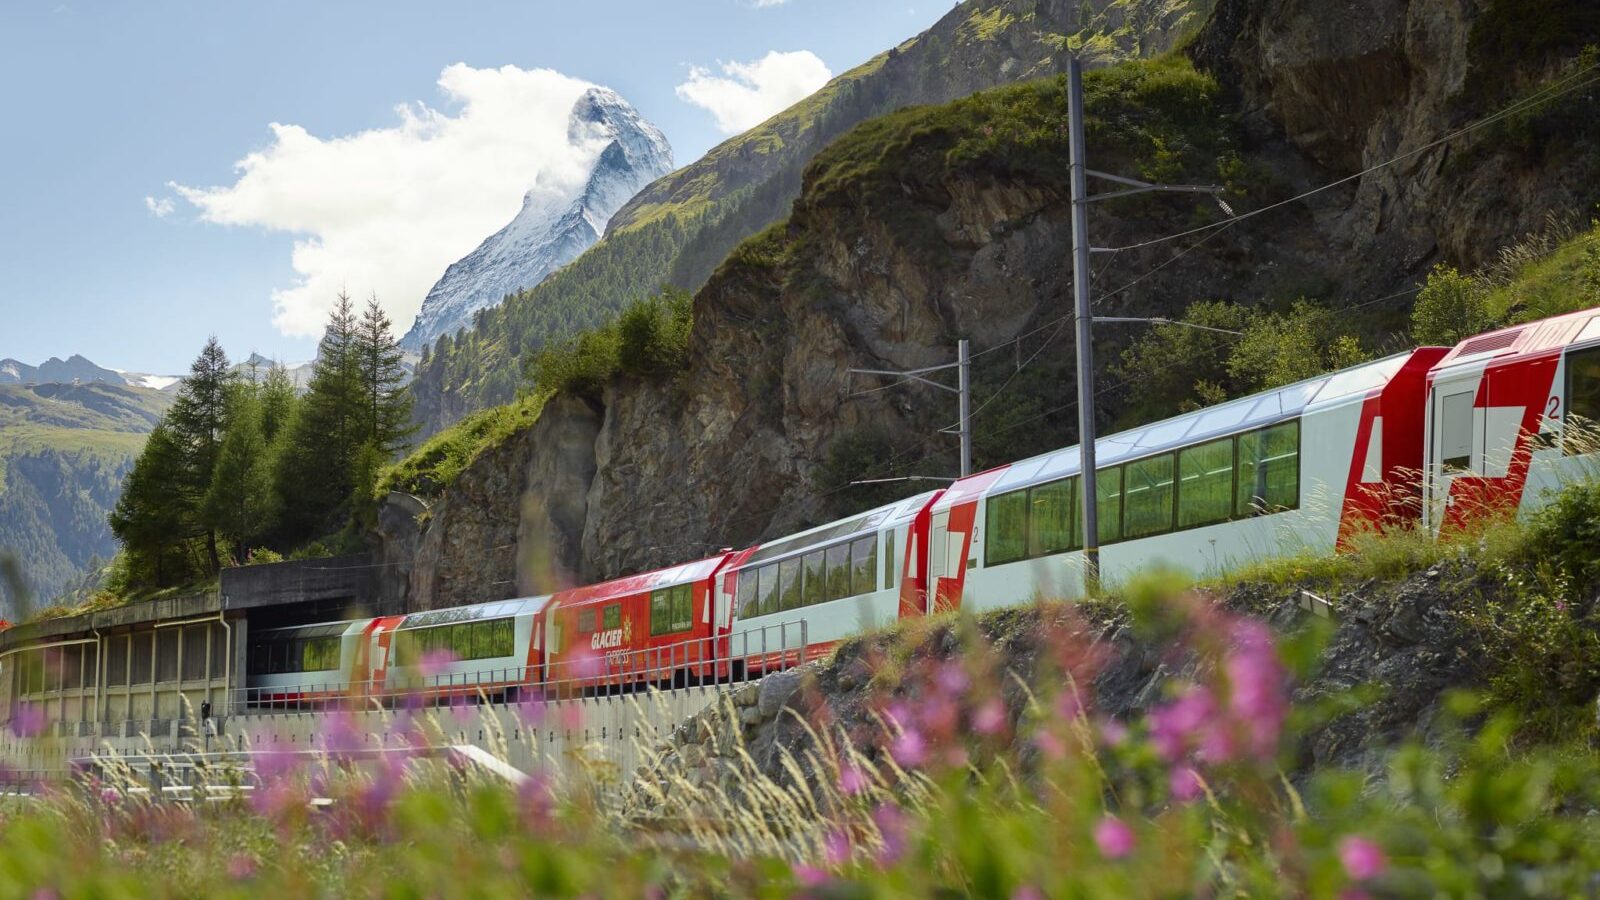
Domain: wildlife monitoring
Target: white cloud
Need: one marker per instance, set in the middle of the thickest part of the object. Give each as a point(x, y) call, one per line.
point(387, 210)
point(746, 94)
point(159, 208)
point(764, 4)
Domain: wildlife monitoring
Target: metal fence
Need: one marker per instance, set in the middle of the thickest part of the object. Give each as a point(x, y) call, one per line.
point(747, 654)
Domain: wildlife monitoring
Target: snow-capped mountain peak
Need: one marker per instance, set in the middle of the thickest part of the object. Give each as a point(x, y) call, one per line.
point(555, 224)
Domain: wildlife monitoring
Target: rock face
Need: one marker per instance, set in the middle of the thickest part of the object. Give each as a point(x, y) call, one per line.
point(554, 226)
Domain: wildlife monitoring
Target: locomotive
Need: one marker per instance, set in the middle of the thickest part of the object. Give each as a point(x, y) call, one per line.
point(1433, 437)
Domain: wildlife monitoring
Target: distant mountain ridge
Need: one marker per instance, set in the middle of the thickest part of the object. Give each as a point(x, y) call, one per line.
point(553, 227)
point(681, 227)
point(55, 370)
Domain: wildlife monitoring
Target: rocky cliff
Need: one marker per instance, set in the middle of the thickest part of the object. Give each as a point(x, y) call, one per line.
point(945, 222)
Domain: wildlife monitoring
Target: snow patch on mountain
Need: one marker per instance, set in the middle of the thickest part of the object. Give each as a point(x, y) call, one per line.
point(556, 222)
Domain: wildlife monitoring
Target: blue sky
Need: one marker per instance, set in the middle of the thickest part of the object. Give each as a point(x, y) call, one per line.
point(111, 103)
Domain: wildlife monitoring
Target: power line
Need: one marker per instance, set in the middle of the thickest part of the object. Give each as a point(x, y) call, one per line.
point(1558, 89)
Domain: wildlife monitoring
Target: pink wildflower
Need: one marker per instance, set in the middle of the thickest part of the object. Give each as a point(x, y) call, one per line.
point(435, 663)
point(1049, 744)
point(1113, 837)
point(241, 866)
point(811, 876)
point(891, 822)
point(1174, 726)
point(851, 780)
point(990, 717)
point(952, 679)
point(836, 848)
point(1112, 732)
point(1027, 892)
point(1068, 707)
point(1362, 857)
point(1184, 783)
point(910, 750)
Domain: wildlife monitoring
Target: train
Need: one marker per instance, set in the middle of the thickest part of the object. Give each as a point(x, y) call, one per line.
point(1433, 437)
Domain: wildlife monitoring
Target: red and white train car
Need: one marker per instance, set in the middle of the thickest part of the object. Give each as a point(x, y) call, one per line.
point(654, 627)
point(1512, 414)
point(1299, 467)
point(491, 647)
point(840, 579)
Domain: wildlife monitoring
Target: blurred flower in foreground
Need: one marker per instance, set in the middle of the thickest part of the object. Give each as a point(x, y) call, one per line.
point(1113, 837)
point(1362, 858)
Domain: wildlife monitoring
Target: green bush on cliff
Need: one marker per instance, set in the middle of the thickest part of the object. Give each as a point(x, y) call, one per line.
point(649, 338)
point(435, 465)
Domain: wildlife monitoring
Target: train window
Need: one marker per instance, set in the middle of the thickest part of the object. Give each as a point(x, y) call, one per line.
point(813, 586)
point(1108, 505)
point(672, 610)
point(461, 641)
point(1205, 483)
point(839, 572)
point(1582, 431)
point(1050, 517)
point(1269, 470)
point(405, 648)
point(789, 584)
point(682, 607)
point(1006, 537)
point(611, 617)
point(1147, 499)
point(503, 636)
point(891, 576)
point(748, 601)
point(480, 641)
point(864, 564)
point(767, 590)
point(586, 620)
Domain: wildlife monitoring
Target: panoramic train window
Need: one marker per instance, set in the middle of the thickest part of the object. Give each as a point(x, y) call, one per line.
point(748, 601)
point(1581, 433)
point(891, 575)
point(1269, 470)
point(1050, 508)
point(671, 610)
point(864, 561)
point(611, 617)
point(1108, 505)
point(811, 588)
point(1006, 538)
point(767, 590)
point(1205, 483)
point(789, 584)
point(839, 572)
point(1147, 501)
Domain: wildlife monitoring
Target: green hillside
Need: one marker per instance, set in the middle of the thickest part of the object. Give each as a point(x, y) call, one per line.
point(64, 450)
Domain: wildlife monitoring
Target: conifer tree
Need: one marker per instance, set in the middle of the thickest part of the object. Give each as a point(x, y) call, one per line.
point(239, 500)
point(197, 420)
point(145, 519)
point(315, 474)
point(388, 403)
point(278, 400)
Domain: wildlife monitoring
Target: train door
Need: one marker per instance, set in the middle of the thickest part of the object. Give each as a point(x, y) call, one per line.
point(1457, 447)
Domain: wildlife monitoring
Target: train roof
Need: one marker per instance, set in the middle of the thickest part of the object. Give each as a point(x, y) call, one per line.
point(496, 609)
point(869, 522)
point(314, 630)
point(1255, 411)
point(643, 582)
point(1527, 339)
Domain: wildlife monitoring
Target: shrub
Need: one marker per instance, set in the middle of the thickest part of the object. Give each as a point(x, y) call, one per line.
point(1566, 531)
point(1450, 308)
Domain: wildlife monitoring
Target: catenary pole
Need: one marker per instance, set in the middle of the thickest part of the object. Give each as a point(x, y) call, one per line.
point(964, 385)
point(1085, 323)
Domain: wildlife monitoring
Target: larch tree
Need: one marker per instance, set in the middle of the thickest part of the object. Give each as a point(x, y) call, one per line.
point(197, 419)
point(239, 501)
point(315, 474)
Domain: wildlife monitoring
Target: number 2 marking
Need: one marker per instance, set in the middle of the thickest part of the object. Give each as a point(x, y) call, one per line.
point(1553, 410)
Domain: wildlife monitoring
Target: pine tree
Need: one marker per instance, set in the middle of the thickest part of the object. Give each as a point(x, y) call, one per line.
point(146, 519)
point(315, 474)
point(388, 403)
point(239, 501)
point(197, 420)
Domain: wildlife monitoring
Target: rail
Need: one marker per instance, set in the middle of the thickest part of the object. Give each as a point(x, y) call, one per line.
point(586, 672)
